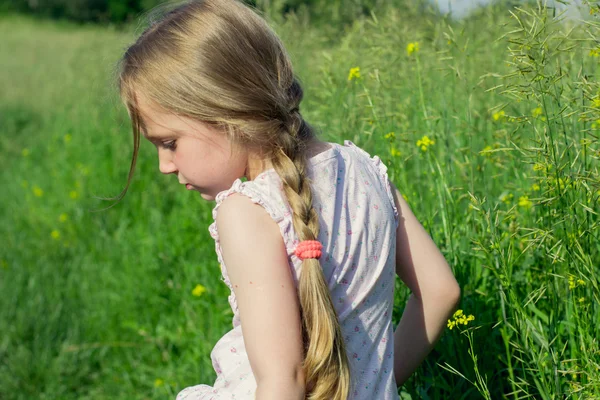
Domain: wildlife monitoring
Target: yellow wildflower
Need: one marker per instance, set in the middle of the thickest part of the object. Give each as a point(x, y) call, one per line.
point(499, 115)
point(63, 217)
point(394, 151)
point(596, 124)
point(581, 299)
point(596, 102)
point(574, 283)
point(158, 382)
point(536, 112)
point(412, 47)
point(507, 198)
point(390, 136)
point(425, 142)
point(459, 318)
point(354, 73)
point(535, 187)
point(198, 290)
point(55, 234)
point(525, 202)
point(73, 194)
point(25, 152)
point(67, 138)
point(37, 191)
point(595, 52)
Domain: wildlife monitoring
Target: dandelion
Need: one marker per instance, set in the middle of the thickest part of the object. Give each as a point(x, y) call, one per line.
point(425, 142)
point(525, 202)
point(158, 382)
point(412, 47)
point(55, 234)
point(354, 73)
point(497, 116)
point(37, 191)
point(25, 152)
point(198, 290)
point(73, 194)
point(63, 217)
point(459, 318)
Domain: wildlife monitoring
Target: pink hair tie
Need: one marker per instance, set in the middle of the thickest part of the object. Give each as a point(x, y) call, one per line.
point(309, 249)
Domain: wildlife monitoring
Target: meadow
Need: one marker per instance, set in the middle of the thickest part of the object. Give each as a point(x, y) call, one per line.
point(489, 126)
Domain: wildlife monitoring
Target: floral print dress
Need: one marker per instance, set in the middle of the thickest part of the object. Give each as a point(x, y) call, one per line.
point(358, 218)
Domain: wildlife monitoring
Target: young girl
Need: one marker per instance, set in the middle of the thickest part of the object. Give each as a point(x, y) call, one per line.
point(310, 243)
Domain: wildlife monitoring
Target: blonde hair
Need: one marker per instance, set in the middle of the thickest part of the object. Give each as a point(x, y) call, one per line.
point(218, 61)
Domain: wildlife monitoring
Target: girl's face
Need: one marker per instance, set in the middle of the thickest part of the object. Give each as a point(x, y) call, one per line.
point(197, 153)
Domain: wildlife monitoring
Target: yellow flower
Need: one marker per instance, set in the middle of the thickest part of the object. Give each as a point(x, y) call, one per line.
point(507, 198)
point(581, 299)
point(25, 152)
point(354, 73)
point(536, 112)
point(73, 194)
point(499, 115)
point(390, 136)
point(158, 382)
point(535, 187)
point(63, 217)
point(67, 138)
point(596, 102)
point(459, 318)
point(596, 124)
point(595, 52)
point(425, 142)
point(525, 202)
point(198, 290)
point(37, 191)
point(394, 151)
point(412, 47)
point(55, 234)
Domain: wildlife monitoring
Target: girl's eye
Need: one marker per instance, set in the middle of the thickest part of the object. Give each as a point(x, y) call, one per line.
point(169, 145)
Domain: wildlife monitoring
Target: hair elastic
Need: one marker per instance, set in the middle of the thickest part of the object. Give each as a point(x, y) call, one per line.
point(309, 249)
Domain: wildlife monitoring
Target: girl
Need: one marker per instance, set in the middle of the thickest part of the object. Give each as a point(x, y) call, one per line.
point(310, 241)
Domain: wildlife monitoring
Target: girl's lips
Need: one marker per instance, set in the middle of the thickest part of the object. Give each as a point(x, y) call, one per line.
point(189, 187)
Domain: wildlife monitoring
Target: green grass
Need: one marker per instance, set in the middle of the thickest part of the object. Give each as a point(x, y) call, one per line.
point(99, 305)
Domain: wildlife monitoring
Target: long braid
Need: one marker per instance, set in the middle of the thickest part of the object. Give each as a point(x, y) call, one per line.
point(326, 362)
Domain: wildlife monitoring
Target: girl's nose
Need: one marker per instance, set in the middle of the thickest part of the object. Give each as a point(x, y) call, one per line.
point(166, 166)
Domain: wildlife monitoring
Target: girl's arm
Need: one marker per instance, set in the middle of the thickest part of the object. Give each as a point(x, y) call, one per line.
point(257, 265)
point(435, 292)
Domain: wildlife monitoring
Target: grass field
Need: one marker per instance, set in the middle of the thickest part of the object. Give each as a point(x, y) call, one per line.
point(489, 127)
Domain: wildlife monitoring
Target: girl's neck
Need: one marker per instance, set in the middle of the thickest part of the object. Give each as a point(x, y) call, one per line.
point(257, 166)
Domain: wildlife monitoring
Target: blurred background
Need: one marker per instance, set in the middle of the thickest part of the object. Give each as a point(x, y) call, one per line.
point(486, 113)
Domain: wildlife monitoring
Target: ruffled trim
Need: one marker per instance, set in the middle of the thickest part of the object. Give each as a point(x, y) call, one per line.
point(382, 168)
